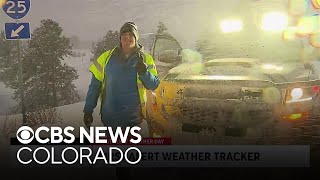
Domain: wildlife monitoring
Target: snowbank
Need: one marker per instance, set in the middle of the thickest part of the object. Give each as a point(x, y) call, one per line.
point(71, 116)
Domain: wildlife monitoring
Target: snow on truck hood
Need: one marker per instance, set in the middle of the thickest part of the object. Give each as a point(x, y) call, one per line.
point(241, 69)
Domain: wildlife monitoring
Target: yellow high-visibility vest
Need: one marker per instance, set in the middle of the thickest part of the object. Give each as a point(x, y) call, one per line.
point(98, 69)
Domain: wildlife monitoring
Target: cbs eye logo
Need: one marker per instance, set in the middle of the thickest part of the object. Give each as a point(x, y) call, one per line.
point(25, 135)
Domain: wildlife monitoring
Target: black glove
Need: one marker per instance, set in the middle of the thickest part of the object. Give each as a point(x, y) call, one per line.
point(141, 67)
point(88, 119)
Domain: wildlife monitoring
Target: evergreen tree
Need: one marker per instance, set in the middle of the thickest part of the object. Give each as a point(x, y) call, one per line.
point(109, 41)
point(8, 57)
point(47, 81)
point(75, 41)
point(9, 66)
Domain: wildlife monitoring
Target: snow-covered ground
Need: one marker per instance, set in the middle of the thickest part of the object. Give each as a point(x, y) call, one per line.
point(6, 101)
point(71, 116)
point(81, 64)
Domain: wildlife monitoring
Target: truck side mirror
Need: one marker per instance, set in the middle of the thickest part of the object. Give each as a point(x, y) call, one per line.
point(169, 56)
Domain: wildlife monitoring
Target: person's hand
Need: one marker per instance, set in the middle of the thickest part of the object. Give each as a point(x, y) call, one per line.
point(88, 119)
point(141, 67)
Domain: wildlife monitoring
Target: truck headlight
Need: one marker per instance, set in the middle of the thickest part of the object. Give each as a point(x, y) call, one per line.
point(296, 93)
point(274, 21)
point(301, 94)
point(228, 26)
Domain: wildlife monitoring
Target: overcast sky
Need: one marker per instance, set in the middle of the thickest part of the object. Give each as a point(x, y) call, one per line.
point(91, 19)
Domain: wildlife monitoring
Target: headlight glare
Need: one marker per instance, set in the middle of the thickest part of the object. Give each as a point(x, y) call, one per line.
point(274, 21)
point(296, 93)
point(228, 26)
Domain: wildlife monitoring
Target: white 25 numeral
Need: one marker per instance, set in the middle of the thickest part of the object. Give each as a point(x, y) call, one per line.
point(21, 4)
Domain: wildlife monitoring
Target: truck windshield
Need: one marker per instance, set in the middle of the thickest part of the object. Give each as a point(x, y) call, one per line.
point(258, 45)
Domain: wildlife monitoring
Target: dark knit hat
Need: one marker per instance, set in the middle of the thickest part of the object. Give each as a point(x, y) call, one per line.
point(130, 27)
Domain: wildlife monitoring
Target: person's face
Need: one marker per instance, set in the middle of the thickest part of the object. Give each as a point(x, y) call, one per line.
point(128, 40)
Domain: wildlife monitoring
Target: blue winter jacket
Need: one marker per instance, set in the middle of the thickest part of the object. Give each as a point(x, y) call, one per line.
point(121, 104)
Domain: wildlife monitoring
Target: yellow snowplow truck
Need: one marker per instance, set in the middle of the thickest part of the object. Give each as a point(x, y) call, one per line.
point(243, 84)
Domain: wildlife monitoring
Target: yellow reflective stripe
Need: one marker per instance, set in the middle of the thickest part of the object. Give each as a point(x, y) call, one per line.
point(109, 56)
point(98, 66)
point(154, 71)
point(104, 59)
point(142, 93)
point(96, 72)
point(140, 85)
point(143, 97)
point(152, 66)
